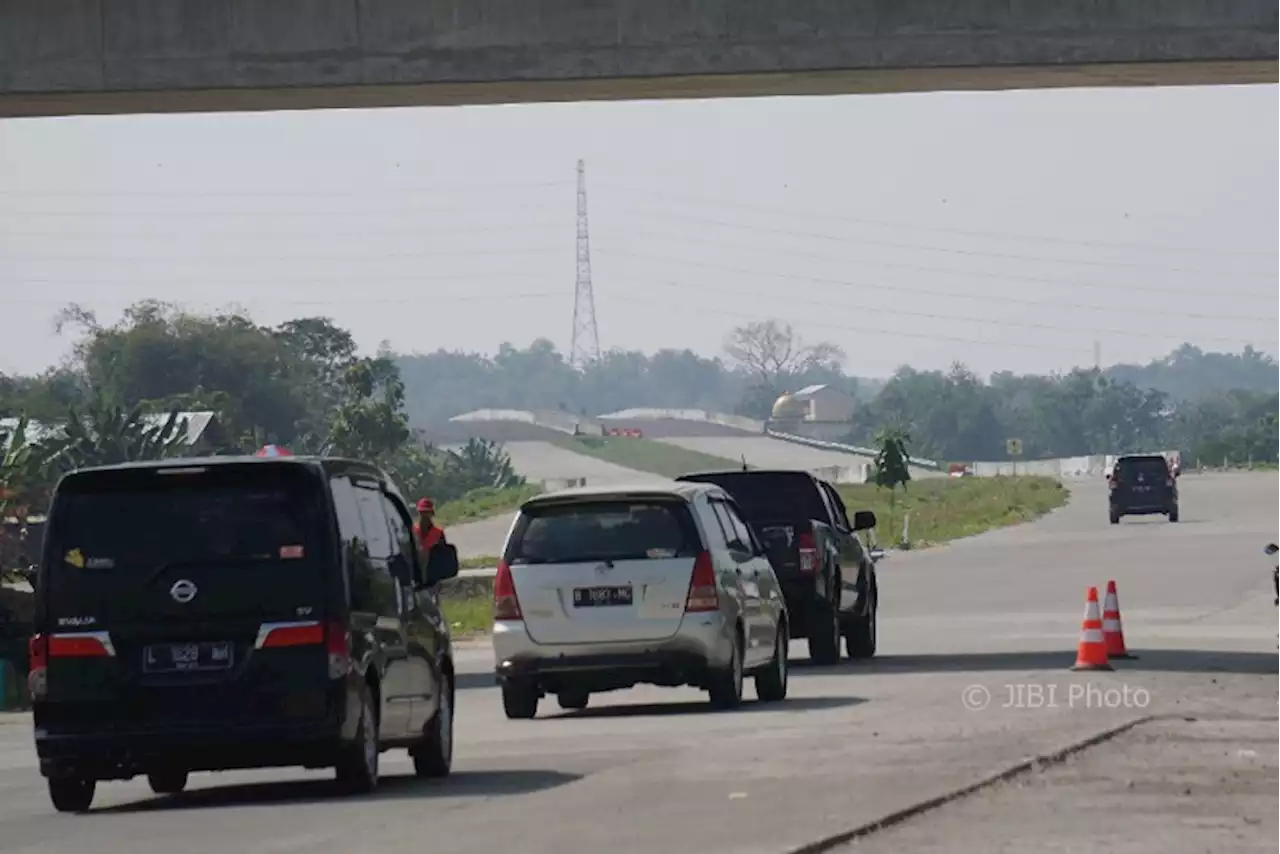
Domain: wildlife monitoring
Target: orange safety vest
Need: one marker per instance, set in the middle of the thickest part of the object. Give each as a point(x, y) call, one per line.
point(430, 539)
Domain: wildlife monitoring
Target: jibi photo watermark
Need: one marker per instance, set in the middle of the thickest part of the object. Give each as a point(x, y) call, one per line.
point(1050, 695)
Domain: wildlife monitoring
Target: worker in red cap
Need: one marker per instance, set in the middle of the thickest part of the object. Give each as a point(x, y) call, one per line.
point(425, 529)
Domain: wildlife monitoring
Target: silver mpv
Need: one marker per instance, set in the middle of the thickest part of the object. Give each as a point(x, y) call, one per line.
point(603, 588)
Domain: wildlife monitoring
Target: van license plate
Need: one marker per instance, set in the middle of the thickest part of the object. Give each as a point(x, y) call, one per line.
point(187, 657)
point(601, 597)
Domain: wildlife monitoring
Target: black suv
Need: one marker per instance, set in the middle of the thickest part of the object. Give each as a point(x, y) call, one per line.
point(224, 613)
point(828, 577)
point(1142, 485)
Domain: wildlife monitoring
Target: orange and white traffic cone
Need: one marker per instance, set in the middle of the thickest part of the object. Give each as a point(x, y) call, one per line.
point(1112, 630)
point(1092, 652)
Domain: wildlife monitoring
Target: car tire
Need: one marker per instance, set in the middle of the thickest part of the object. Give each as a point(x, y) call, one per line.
point(725, 684)
point(519, 700)
point(357, 766)
point(860, 642)
point(167, 782)
point(1115, 518)
point(824, 634)
point(1173, 514)
point(573, 701)
point(71, 794)
point(434, 757)
point(771, 683)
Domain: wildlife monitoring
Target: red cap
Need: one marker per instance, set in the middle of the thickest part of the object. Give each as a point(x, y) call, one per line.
point(426, 505)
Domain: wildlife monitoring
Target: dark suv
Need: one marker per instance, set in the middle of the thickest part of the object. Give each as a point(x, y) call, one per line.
point(1143, 485)
point(225, 613)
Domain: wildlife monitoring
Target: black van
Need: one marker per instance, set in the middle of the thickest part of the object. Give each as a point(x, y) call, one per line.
point(224, 613)
point(1142, 485)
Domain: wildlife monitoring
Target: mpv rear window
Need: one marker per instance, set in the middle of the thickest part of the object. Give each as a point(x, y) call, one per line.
point(766, 496)
point(1149, 466)
point(603, 530)
point(113, 524)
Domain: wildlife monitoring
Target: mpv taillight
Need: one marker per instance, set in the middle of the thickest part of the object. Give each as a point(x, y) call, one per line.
point(506, 606)
point(704, 594)
point(42, 648)
point(808, 547)
point(331, 634)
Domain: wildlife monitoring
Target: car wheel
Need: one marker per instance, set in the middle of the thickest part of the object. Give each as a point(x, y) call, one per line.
point(434, 757)
point(519, 700)
point(71, 794)
point(357, 768)
point(1173, 514)
point(1115, 518)
point(771, 683)
point(573, 700)
point(167, 782)
point(861, 640)
point(726, 682)
point(824, 634)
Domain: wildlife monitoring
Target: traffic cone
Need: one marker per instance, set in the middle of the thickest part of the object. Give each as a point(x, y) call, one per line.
point(1112, 630)
point(1092, 652)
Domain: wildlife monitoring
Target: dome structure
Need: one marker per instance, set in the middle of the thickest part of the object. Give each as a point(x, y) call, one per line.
point(788, 408)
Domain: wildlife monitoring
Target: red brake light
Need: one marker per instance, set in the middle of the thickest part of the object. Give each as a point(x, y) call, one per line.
point(38, 669)
point(506, 606)
point(292, 634)
point(704, 594)
point(79, 646)
point(808, 547)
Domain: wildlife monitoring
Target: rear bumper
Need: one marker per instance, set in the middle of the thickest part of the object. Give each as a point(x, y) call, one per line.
point(1144, 506)
point(124, 754)
point(682, 659)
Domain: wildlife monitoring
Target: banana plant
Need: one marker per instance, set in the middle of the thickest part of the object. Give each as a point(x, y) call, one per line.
point(107, 435)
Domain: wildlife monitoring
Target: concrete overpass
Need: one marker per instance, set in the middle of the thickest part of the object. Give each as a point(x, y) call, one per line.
point(70, 57)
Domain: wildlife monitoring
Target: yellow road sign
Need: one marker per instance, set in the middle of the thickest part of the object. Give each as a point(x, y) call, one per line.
point(1014, 447)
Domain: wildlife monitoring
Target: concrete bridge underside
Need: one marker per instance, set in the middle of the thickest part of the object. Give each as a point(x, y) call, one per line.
point(74, 57)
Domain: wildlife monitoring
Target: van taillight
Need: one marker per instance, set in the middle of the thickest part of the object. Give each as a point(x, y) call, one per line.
point(808, 547)
point(37, 666)
point(704, 593)
point(506, 606)
point(42, 648)
point(332, 635)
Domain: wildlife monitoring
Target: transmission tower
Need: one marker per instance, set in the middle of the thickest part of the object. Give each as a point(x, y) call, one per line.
point(584, 347)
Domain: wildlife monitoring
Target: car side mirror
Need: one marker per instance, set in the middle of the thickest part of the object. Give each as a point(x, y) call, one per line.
point(400, 569)
point(1271, 549)
point(864, 520)
point(442, 564)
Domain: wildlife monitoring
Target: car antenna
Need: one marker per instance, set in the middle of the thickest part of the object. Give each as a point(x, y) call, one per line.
point(745, 467)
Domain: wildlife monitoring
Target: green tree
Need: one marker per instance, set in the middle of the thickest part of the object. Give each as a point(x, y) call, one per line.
point(105, 434)
point(892, 466)
point(370, 422)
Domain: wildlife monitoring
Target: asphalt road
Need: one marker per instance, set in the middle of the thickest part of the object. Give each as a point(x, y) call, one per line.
point(653, 771)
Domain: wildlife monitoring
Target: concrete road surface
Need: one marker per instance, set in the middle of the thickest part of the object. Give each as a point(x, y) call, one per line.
point(963, 629)
point(540, 461)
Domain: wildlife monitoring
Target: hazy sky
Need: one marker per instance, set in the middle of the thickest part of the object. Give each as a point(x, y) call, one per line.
point(1004, 230)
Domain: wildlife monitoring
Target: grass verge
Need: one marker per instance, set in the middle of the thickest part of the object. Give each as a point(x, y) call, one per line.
point(943, 509)
point(646, 455)
point(483, 503)
point(468, 605)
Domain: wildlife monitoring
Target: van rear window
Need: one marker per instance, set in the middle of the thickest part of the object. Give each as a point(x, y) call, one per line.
point(603, 530)
point(142, 521)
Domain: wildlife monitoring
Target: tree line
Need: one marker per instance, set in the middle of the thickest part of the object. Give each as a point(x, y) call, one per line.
point(301, 384)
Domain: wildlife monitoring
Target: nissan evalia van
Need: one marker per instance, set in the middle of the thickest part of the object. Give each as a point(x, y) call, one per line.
point(226, 613)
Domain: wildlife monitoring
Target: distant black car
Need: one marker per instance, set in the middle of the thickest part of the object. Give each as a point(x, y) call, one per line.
point(1142, 485)
point(828, 578)
point(215, 614)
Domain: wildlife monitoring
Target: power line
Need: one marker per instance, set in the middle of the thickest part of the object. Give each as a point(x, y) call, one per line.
point(204, 192)
point(845, 327)
point(917, 247)
point(950, 318)
point(826, 280)
point(260, 212)
point(416, 230)
point(953, 271)
point(359, 300)
point(969, 232)
point(448, 253)
point(361, 281)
